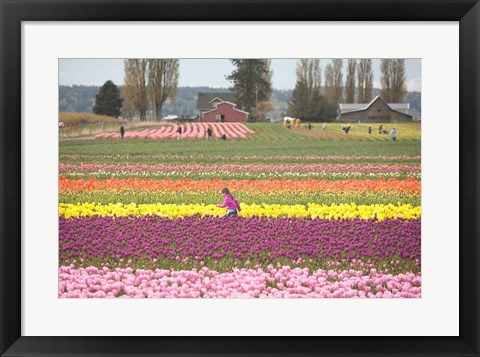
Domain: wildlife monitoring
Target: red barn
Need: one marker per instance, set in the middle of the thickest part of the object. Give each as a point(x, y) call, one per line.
point(224, 112)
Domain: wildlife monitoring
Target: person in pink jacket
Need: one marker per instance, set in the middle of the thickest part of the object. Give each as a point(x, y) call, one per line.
point(230, 203)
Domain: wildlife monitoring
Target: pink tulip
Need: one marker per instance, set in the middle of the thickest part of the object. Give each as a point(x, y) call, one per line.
point(92, 282)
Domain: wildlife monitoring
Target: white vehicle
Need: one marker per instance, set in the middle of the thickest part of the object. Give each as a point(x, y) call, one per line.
point(171, 117)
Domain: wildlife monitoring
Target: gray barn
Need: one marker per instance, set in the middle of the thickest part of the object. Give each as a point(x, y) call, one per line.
point(377, 111)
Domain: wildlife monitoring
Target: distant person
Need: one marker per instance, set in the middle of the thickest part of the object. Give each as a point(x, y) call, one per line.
point(380, 129)
point(179, 132)
point(324, 126)
point(309, 126)
point(347, 129)
point(230, 203)
point(224, 137)
point(369, 130)
point(393, 134)
point(209, 133)
point(122, 131)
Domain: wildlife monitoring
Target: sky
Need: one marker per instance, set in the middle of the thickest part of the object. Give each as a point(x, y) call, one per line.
point(211, 72)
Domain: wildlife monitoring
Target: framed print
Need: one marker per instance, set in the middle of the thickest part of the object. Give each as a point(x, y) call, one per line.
point(356, 178)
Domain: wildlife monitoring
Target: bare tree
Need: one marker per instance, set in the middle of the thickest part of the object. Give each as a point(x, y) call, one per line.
point(127, 111)
point(149, 83)
point(365, 80)
point(393, 80)
point(334, 81)
point(308, 71)
point(386, 78)
point(135, 87)
point(338, 78)
point(328, 86)
point(350, 81)
point(163, 77)
point(399, 88)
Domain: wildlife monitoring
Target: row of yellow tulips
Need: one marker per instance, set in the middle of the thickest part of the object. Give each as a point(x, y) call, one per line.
point(334, 211)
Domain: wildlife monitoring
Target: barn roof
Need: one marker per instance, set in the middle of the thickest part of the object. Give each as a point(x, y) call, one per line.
point(234, 107)
point(357, 107)
point(204, 99)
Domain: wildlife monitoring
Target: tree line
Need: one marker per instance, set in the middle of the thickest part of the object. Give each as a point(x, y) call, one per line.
point(150, 83)
point(80, 98)
point(312, 102)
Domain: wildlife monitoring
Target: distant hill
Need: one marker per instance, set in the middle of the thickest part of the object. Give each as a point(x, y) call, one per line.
point(79, 98)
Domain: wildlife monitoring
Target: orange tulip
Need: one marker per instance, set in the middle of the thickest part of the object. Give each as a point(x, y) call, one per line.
point(272, 186)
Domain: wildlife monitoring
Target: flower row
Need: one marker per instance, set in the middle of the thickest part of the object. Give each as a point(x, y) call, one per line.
point(334, 211)
point(252, 283)
point(189, 130)
point(241, 168)
point(199, 157)
point(280, 187)
point(239, 175)
point(151, 197)
point(230, 158)
point(258, 239)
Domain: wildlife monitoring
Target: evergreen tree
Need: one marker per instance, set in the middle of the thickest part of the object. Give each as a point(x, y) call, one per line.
point(108, 100)
point(252, 82)
point(321, 109)
point(308, 81)
point(301, 99)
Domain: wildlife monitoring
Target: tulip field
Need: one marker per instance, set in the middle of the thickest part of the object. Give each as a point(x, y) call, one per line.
point(189, 131)
point(322, 216)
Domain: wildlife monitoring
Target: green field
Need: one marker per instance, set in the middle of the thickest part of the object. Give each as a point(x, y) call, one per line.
point(272, 144)
point(141, 217)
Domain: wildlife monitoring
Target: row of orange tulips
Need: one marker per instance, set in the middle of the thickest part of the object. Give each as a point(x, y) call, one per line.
point(408, 187)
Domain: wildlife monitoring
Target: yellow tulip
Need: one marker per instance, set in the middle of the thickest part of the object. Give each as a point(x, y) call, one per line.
point(334, 211)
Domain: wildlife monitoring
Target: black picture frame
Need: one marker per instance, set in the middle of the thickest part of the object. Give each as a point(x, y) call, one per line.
point(13, 12)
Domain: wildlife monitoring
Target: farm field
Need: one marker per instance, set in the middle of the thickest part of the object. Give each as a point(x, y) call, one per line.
point(323, 214)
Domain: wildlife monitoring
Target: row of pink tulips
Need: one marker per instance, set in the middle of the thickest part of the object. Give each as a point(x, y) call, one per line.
point(189, 131)
point(243, 158)
point(283, 282)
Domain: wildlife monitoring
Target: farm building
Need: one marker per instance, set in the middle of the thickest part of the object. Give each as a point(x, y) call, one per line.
point(377, 111)
point(224, 112)
point(219, 107)
point(206, 101)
